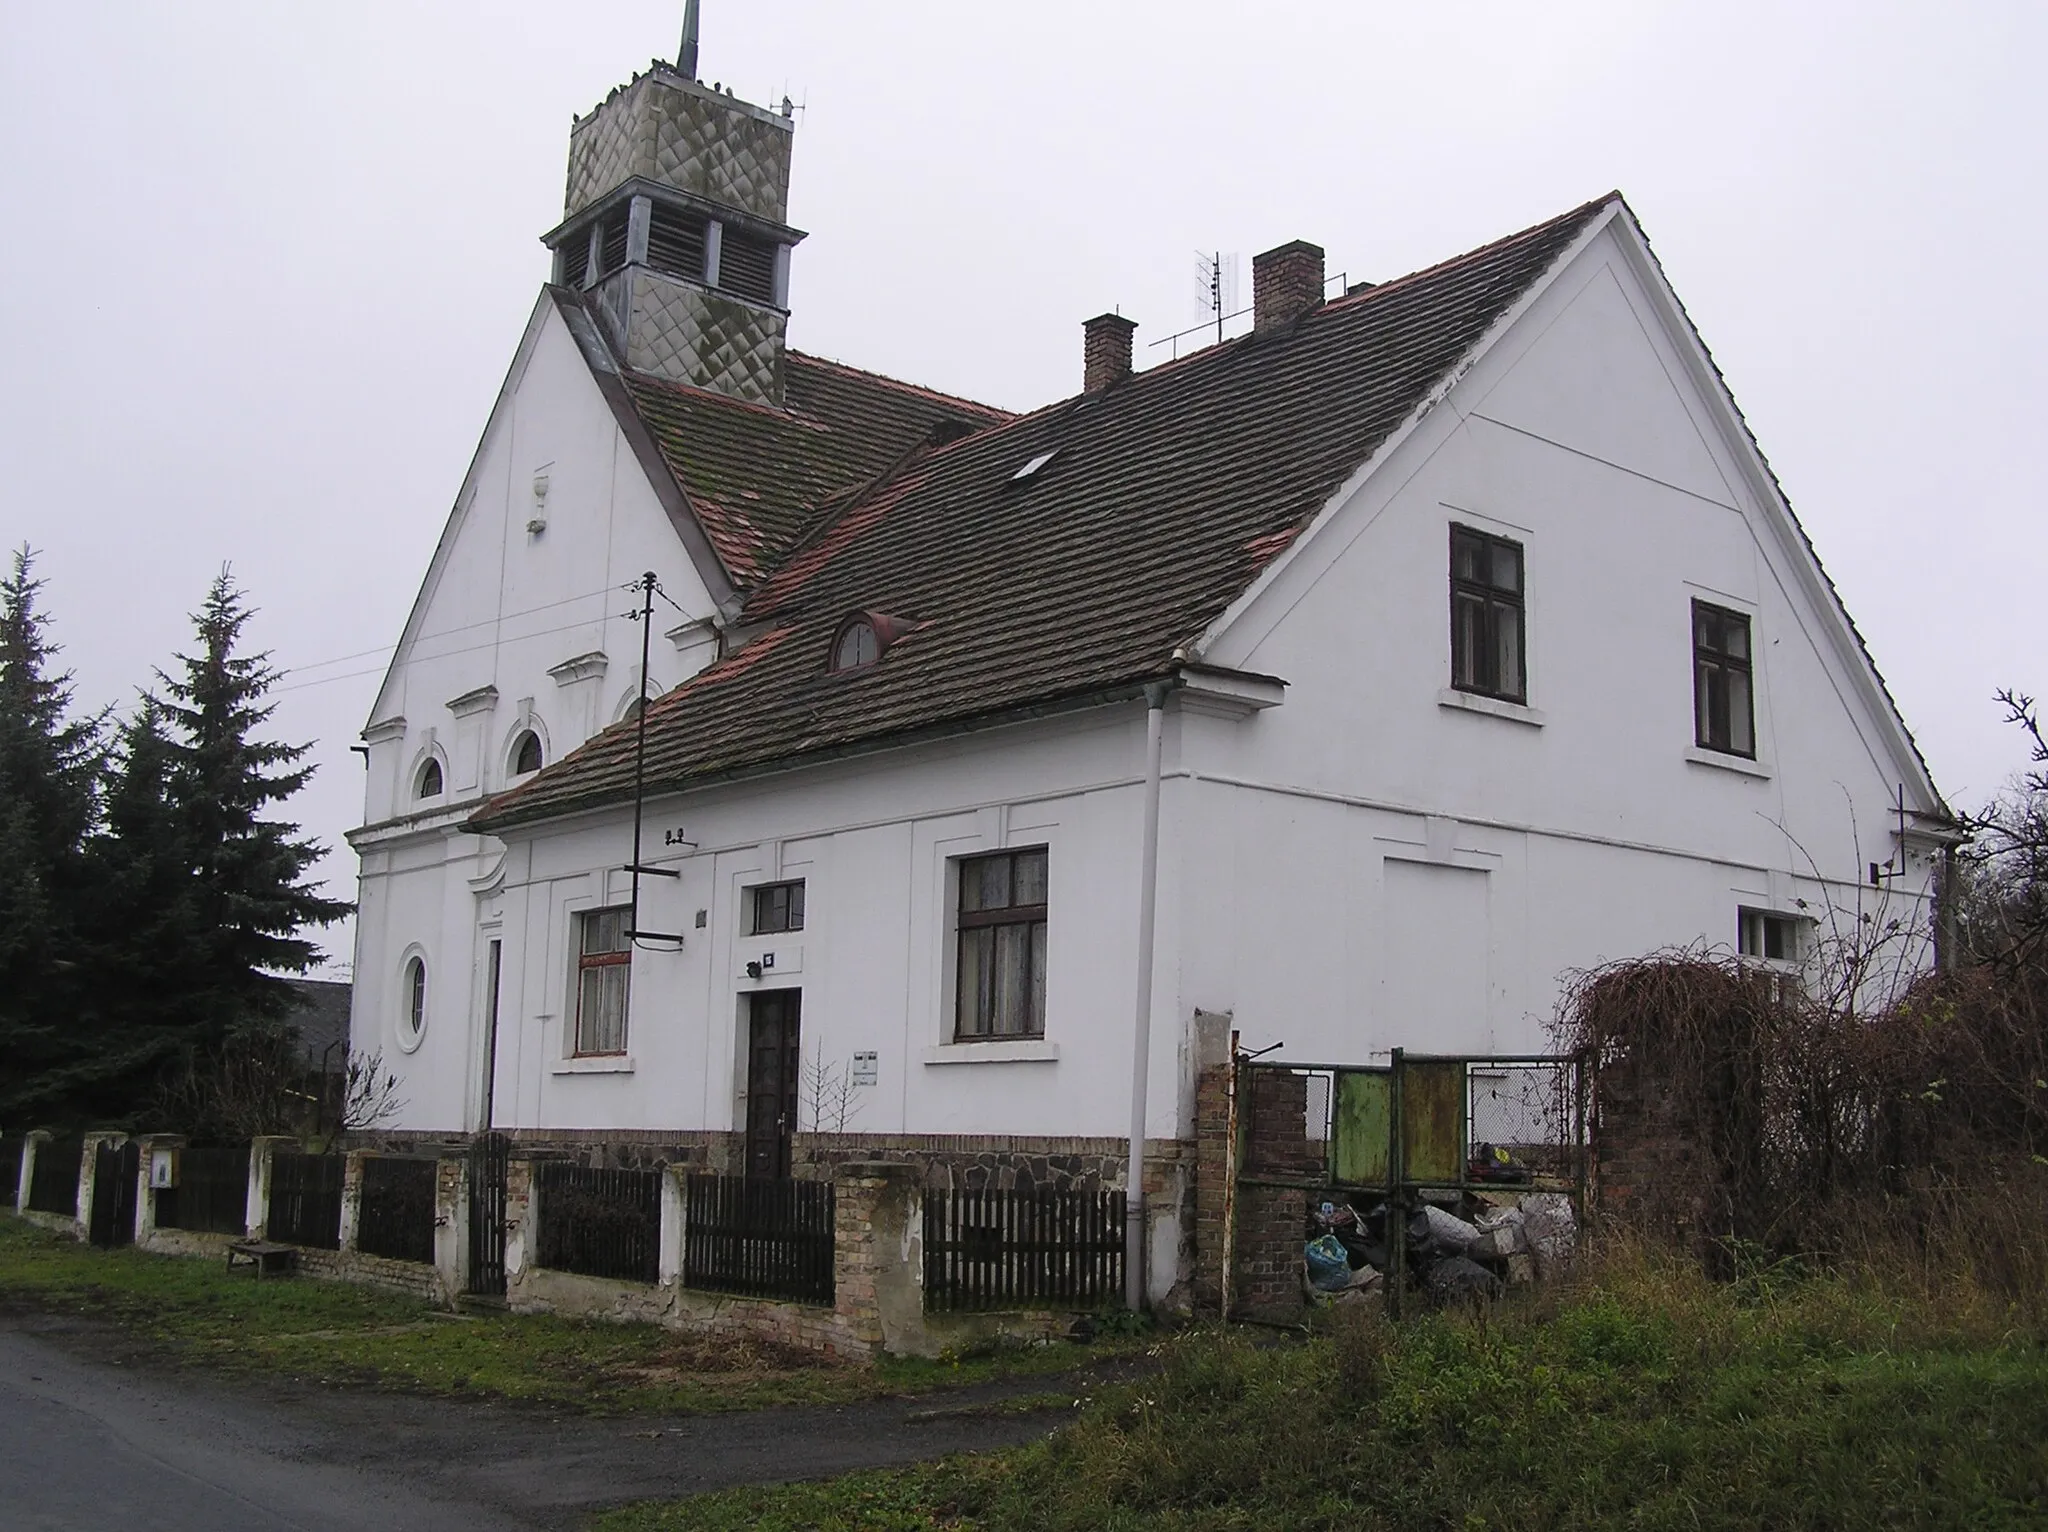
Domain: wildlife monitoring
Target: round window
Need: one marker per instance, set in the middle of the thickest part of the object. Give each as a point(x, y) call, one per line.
point(412, 1004)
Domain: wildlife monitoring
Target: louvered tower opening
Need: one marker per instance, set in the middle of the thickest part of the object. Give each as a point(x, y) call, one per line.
point(746, 266)
point(675, 242)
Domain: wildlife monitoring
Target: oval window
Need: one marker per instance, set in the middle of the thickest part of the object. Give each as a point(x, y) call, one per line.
point(858, 644)
point(526, 755)
point(430, 780)
point(412, 1005)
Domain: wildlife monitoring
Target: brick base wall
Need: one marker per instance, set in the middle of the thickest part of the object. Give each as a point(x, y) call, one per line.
point(411, 1278)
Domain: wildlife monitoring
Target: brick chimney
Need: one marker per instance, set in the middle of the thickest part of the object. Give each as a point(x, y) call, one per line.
point(1106, 352)
point(1286, 283)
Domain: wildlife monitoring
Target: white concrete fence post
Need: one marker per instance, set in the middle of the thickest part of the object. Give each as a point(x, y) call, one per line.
point(257, 1214)
point(351, 1196)
point(451, 1222)
point(674, 1216)
point(88, 1178)
point(31, 1145)
point(145, 1198)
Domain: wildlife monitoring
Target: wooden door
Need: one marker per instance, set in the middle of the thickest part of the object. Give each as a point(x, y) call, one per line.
point(772, 1059)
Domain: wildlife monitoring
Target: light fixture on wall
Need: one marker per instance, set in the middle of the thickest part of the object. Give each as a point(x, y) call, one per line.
point(538, 522)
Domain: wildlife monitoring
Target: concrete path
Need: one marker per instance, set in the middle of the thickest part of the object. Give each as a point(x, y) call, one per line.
point(98, 1441)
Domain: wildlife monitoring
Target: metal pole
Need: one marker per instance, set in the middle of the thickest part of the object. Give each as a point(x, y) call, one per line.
point(1397, 1200)
point(1141, 1040)
point(640, 738)
point(1230, 1168)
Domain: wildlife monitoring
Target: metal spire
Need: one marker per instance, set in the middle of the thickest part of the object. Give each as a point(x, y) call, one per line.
point(686, 57)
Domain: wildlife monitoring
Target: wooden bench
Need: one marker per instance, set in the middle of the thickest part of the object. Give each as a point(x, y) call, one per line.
point(264, 1255)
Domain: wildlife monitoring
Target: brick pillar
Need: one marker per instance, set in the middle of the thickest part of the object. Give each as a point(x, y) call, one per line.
point(522, 1229)
point(878, 1258)
point(1212, 1158)
point(1271, 1220)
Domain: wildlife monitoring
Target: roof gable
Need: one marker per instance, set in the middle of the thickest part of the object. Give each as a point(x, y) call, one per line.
point(1164, 497)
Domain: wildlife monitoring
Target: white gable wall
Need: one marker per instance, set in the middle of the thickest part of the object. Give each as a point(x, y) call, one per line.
point(518, 630)
point(1416, 874)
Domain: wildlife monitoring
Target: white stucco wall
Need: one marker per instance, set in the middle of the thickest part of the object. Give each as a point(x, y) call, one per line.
point(520, 630)
point(1364, 866)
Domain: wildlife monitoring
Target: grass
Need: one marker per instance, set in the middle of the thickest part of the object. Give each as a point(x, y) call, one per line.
point(192, 1312)
point(1643, 1398)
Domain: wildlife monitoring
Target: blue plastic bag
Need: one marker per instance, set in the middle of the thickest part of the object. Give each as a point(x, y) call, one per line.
point(1329, 1270)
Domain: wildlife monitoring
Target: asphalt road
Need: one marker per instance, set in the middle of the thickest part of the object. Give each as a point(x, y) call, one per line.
point(95, 1439)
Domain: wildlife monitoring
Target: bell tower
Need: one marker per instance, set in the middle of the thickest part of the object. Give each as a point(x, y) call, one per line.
point(673, 227)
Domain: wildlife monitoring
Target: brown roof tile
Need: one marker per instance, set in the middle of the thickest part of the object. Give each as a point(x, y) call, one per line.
point(758, 476)
point(1166, 495)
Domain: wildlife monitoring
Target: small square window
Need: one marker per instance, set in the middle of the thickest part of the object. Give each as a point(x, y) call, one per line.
point(777, 907)
point(1773, 938)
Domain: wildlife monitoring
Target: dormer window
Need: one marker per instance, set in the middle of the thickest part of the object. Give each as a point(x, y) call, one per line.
point(526, 755)
point(430, 780)
point(857, 646)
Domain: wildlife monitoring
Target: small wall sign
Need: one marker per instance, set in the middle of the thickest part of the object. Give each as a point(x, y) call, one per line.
point(866, 1068)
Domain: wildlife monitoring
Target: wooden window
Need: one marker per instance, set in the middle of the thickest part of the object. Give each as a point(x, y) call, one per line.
point(1724, 717)
point(1487, 616)
point(526, 757)
point(1000, 988)
point(430, 780)
point(857, 645)
point(604, 965)
point(1774, 938)
point(777, 907)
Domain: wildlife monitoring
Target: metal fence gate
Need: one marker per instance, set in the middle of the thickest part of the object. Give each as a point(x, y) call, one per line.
point(490, 1162)
point(115, 1169)
point(1417, 1125)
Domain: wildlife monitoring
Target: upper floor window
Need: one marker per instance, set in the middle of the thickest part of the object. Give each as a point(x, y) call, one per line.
point(777, 907)
point(1724, 716)
point(1000, 990)
point(526, 754)
point(604, 968)
point(430, 783)
point(858, 644)
point(1487, 615)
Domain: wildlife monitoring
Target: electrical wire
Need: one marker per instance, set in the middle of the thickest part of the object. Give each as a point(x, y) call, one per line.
point(362, 654)
point(442, 654)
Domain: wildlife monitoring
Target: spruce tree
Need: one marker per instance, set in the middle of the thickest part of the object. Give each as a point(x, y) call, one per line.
point(50, 765)
point(250, 896)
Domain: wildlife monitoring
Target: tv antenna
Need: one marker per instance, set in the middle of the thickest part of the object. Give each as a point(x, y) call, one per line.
point(1216, 282)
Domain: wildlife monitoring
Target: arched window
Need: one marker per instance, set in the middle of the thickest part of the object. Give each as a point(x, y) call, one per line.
point(857, 645)
point(412, 1016)
point(526, 754)
point(430, 779)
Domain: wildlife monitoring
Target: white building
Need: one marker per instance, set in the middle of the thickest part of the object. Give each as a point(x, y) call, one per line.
point(1482, 643)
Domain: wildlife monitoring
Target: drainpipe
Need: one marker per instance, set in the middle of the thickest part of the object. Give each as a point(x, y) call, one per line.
point(1141, 1041)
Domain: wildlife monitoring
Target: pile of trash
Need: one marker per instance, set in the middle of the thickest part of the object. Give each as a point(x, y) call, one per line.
point(1457, 1245)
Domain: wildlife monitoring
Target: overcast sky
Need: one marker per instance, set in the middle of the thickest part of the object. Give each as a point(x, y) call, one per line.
point(265, 264)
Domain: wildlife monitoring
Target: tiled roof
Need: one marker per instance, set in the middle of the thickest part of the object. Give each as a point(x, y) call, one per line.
point(758, 476)
point(1165, 496)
